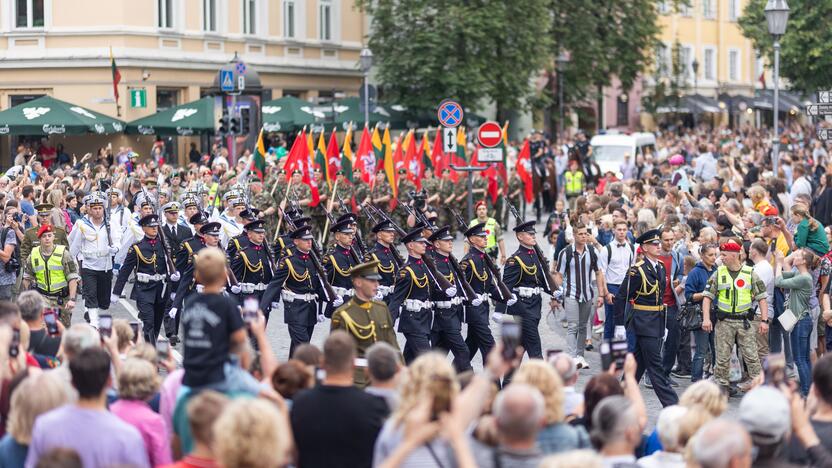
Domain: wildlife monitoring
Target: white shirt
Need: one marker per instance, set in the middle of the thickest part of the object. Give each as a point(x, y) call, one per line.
point(620, 259)
point(766, 274)
point(230, 229)
point(800, 186)
point(662, 459)
point(705, 167)
point(91, 245)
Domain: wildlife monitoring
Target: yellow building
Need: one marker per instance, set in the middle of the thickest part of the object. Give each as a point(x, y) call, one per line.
point(171, 49)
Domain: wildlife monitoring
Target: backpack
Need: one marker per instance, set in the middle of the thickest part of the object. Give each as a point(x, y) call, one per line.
point(609, 250)
point(13, 265)
point(570, 251)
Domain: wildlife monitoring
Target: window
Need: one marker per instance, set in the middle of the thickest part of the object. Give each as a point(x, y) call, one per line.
point(664, 7)
point(166, 98)
point(325, 17)
point(165, 9)
point(733, 65)
point(759, 65)
point(29, 13)
point(709, 67)
point(289, 10)
point(209, 15)
point(708, 10)
point(733, 9)
point(685, 10)
point(622, 111)
point(661, 60)
point(686, 57)
point(249, 16)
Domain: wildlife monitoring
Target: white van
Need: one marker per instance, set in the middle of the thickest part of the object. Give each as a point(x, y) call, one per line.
point(609, 150)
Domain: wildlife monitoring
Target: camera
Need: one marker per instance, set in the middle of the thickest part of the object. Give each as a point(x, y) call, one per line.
point(17, 217)
point(419, 199)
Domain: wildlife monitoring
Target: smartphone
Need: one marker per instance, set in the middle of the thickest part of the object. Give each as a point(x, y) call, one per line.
point(774, 367)
point(441, 391)
point(50, 318)
point(163, 349)
point(136, 327)
point(250, 307)
point(14, 346)
point(614, 350)
point(105, 325)
point(510, 336)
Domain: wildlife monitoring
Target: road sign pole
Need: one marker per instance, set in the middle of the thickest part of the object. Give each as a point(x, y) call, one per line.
point(775, 147)
point(232, 148)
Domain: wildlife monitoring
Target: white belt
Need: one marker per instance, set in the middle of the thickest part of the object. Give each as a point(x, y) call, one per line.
point(249, 288)
point(290, 296)
point(96, 253)
point(528, 292)
point(341, 292)
point(448, 304)
point(145, 278)
point(384, 290)
point(482, 297)
point(414, 305)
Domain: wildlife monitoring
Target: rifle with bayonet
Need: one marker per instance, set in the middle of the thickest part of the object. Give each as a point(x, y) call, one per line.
point(107, 223)
point(316, 261)
point(439, 280)
point(353, 253)
point(547, 274)
point(376, 216)
point(162, 237)
point(360, 245)
point(505, 292)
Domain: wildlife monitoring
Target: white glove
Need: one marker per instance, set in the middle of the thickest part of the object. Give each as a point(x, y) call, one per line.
point(175, 276)
point(451, 292)
point(476, 302)
point(275, 305)
point(172, 312)
point(512, 301)
point(338, 302)
point(114, 298)
point(113, 250)
point(378, 296)
point(620, 332)
point(115, 272)
point(321, 318)
point(236, 289)
point(497, 317)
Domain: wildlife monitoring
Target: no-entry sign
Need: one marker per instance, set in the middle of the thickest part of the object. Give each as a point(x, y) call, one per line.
point(490, 134)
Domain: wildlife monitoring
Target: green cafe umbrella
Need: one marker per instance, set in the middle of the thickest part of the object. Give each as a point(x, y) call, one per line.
point(192, 118)
point(289, 113)
point(49, 116)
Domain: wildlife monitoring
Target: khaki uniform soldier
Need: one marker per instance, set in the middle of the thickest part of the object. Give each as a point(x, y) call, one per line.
point(53, 272)
point(361, 192)
point(366, 320)
point(31, 238)
point(279, 183)
point(515, 192)
point(733, 289)
point(381, 193)
point(299, 192)
point(405, 186)
point(480, 190)
point(317, 212)
point(342, 191)
point(261, 200)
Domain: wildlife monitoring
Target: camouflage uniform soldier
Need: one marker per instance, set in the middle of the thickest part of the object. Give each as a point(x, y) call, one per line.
point(446, 200)
point(515, 195)
point(430, 185)
point(278, 183)
point(460, 202)
point(342, 191)
point(299, 192)
point(317, 212)
point(480, 190)
point(261, 200)
point(405, 186)
point(361, 192)
point(381, 193)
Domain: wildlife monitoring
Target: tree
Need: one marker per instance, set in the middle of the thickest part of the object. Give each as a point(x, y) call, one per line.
point(804, 49)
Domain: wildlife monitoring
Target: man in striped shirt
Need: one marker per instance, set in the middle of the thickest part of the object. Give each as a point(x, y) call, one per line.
point(577, 269)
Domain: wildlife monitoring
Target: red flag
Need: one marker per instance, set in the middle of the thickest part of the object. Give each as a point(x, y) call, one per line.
point(365, 158)
point(299, 158)
point(413, 162)
point(438, 157)
point(398, 159)
point(333, 155)
point(762, 79)
point(524, 162)
point(116, 74)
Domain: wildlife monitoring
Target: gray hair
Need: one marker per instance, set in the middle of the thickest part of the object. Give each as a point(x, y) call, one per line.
point(31, 305)
point(565, 366)
point(718, 442)
point(611, 419)
point(78, 338)
point(668, 427)
point(382, 361)
point(519, 412)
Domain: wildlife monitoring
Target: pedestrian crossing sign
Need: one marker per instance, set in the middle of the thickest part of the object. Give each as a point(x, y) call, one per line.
point(226, 81)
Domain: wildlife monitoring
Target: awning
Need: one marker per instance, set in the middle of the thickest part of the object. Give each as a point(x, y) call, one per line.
point(689, 104)
point(49, 116)
point(289, 113)
point(193, 118)
point(764, 100)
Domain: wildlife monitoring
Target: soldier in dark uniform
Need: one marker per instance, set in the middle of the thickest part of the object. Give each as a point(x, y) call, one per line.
point(298, 284)
point(479, 277)
point(446, 333)
point(384, 252)
point(252, 265)
point(208, 235)
point(339, 262)
point(240, 241)
point(149, 259)
point(410, 300)
point(644, 289)
point(365, 319)
point(524, 274)
point(176, 233)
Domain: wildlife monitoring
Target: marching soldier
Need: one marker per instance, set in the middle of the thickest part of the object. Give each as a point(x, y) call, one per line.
point(252, 264)
point(91, 243)
point(410, 300)
point(361, 192)
point(479, 277)
point(240, 241)
point(645, 284)
point(405, 187)
point(149, 259)
point(317, 212)
point(340, 261)
point(365, 319)
point(479, 191)
point(54, 273)
point(190, 207)
point(261, 200)
point(446, 332)
point(176, 232)
point(299, 192)
point(384, 252)
point(232, 222)
point(296, 281)
point(524, 274)
point(381, 193)
point(133, 233)
point(430, 185)
point(343, 191)
point(208, 235)
point(31, 237)
point(117, 214)
point(278, 183)
point(494, 233)
point(514, 196)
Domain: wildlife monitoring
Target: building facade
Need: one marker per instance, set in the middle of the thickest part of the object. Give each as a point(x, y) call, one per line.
point(169, 51)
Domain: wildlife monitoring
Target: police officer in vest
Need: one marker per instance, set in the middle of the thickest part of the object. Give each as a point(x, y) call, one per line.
point(574, 183)
point(646, 317)
point(384, 252)
point(446, 333)
point(54, 273)
point(365, 319)
point(340, 261)
point(149, 259)
point(253, 265)
point(208, 236)
point(524, 274)
point(734, 287)
point(482, 282)
point(298, 284)
point(410, 300)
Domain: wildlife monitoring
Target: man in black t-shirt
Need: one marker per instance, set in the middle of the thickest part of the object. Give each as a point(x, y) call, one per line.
point(212, 323)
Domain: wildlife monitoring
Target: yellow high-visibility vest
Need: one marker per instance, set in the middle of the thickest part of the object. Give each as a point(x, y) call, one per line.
point(574, 182)
point(733, 295)
point(50, 276)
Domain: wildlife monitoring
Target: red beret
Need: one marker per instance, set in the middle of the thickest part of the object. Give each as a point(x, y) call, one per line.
point(730, 246)
point(770, 210)
point(479, 203)
point(44, 229)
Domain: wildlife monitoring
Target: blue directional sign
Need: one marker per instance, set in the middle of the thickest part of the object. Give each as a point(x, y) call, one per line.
point(450, 113)
point(227, 81)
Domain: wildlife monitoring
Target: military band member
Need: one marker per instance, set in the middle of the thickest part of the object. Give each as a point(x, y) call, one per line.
point(190, 207)
point(252, 264)
point(232, 222)
point(339, 261)
point(149, 260)
point(365, 319)
point(383, 252)
point(524, 274)
point(133, 233)
point(53, 272)
point(446, 333)
point(482, 282)
point(410, 300)
point(176, 232)
point(240, 241)
point(90, 242)
point(209, 236)
point(644, 290)
point(117, 214)
point(298, 284)
point(31, 237)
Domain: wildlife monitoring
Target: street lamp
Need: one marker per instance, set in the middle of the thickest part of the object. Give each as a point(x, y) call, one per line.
point(695, 66)
point(366, 59)
point(777, 15)
point(561, 62)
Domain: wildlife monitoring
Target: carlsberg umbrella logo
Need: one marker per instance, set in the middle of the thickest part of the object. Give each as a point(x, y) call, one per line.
point(34, 112)
point(82, 111)
point(182, 114)
point(271, 109)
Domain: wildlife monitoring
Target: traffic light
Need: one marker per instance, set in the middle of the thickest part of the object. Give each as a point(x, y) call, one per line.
point(223, 130)
point(245, 120)
point(235, 126)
